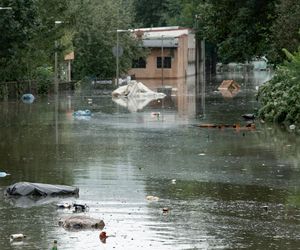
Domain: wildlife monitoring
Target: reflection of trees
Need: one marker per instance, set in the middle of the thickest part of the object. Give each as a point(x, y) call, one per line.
point(228, 185)
point(284, 144)
point(187, 190)
point(27, 143)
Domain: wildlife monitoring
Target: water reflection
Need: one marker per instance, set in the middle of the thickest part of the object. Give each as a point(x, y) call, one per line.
point(28, 202)
point(224, 178)
point(135, 104)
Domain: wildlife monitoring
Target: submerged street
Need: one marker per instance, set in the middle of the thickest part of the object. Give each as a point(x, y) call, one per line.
point(157, 182)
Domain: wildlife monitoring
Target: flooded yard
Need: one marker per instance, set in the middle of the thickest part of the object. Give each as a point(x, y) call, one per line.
point(211, 188)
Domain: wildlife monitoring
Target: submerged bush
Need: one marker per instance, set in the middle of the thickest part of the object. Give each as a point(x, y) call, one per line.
point(280, 97)
point(44, 77)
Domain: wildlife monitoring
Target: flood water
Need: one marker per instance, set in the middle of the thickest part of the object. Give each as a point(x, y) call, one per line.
point(215, 183)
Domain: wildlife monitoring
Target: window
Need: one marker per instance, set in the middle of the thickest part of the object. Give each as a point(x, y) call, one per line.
point(139, 63)
point(167, 62)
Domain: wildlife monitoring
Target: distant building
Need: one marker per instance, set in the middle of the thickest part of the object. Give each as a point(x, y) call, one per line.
point(171, 58)
point(68, 60)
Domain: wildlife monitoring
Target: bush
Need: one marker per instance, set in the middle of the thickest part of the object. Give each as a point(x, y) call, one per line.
point(44, 77)
point(280, 97)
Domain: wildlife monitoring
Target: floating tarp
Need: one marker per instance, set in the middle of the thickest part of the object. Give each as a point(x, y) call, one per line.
point(40, 189)
point(135, 96)
point(137, 90)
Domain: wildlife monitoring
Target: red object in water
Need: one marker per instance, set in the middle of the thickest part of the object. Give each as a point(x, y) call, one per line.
point(103, 236)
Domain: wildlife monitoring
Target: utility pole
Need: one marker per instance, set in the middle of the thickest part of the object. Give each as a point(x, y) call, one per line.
point(162, 60)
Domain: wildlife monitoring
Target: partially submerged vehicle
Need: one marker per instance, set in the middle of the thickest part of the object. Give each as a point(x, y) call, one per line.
point(39, 189)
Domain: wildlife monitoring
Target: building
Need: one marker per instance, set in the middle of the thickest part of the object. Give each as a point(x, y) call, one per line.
point(171, 59)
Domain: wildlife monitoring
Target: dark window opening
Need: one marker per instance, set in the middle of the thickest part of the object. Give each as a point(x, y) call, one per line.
point(167, 62)
point(139, 63)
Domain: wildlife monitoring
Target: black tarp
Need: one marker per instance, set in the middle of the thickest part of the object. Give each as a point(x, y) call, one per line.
point(40, 189)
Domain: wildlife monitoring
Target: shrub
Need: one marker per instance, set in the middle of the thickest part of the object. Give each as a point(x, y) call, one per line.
point(44, 77)
point(280, 97)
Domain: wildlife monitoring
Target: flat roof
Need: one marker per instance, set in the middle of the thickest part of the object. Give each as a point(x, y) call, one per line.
point(161, 42)
point(167, 32)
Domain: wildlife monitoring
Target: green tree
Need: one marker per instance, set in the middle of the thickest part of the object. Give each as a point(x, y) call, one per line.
point(17, 27)
point(182, 12)
point(28, 34)
point(95, 37)
point(151, 13)
point(239, 29)
point(285, 30)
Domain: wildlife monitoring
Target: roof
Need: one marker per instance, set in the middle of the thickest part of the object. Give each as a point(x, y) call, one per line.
point(162, 42)
point(69, 56)
point(229, 84)
point(170, 32)
point(161, 36)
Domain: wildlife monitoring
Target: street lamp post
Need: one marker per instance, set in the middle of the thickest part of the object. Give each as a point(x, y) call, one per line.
point(118, 53)
point(56, 89)
point(56, 63)
point(162, 61)
point(117, 60)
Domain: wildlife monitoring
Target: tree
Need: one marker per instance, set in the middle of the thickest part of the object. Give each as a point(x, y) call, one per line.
point(28, 35)
point(151, 13)
point(285, 30)
point(182, 12)
point(17, 27)
point(95, 38)
point(239, 29)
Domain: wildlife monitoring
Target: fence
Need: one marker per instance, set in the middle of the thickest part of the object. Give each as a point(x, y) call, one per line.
point(15, 89)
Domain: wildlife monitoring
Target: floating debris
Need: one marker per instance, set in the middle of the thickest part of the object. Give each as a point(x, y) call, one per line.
point(17, 237)
point(3, 174)
point(82, 113)
point(64, 205)
point(292, 126)
point(39, 189)
point(152, 198)
point(165, 210)
point(80, 208)
point(248, 116)
point(249, 126)
point(79, 222)
point(229, 88)
point(54, 247)
point(155, 114)
point(103, 237)
point(27, 98)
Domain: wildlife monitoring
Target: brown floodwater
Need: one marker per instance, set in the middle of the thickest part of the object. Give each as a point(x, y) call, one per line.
point(217, 188)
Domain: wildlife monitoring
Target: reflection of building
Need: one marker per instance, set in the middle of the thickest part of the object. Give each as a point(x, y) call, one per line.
point(171, 57)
